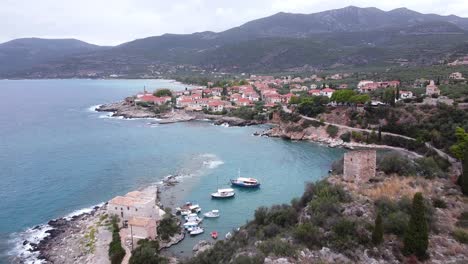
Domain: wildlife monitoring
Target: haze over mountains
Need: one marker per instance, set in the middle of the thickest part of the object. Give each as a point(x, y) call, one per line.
point(347, 37)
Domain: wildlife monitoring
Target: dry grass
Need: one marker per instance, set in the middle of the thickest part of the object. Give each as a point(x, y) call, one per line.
point(396, 187)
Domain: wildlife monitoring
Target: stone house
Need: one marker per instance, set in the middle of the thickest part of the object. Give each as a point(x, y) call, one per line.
point(432, 89)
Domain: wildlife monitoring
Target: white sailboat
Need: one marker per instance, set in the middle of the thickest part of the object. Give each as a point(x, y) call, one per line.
point(223, 193)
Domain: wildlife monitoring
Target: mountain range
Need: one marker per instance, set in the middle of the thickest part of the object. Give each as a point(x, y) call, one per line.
point(347, 37)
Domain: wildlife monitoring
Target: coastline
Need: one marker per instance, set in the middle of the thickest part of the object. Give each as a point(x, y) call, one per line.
point(126, 110)
point(84, 235)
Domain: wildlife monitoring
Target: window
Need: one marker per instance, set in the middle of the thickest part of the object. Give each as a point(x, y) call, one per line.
point(136, 210)
point(128, 208)
point(116, 208)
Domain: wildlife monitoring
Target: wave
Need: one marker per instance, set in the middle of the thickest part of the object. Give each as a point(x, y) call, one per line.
point(24, 243)
point(93, 108)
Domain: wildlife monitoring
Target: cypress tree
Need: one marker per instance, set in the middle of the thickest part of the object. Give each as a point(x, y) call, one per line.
point(380, 133)
point(464, 176)
point(416, 238)
point(377, 234)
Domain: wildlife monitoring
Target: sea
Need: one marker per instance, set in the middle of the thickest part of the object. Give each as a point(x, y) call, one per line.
point(59, 157)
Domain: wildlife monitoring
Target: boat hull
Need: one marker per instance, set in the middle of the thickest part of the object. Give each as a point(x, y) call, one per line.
point(243, 185)
point(216, 196)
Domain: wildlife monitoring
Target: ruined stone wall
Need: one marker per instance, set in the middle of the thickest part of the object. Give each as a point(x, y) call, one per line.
point(359, 166)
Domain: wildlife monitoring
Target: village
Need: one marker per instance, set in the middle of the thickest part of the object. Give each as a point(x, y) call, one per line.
point(268, 92)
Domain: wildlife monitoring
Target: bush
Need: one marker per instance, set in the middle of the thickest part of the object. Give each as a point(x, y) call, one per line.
point(308, 234)
point(460, 235)
point(146, 253)
point(332, 130)
point(439, 203)
point(463, 220)
point(242, 259)
point(395, 215)
point(344, 234)
point(162, 92)
point(277, 247)
point(395, 163)
point(429, 168)
point(346, 137)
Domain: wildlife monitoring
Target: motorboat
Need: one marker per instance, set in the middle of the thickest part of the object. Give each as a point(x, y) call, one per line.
point(212, 214)
point(245, 182)
point(196, 231)
point(214, 235)
point(228, 235)
point(190, 225)
point(193, 218)
point(188, 208)
point(223, 193)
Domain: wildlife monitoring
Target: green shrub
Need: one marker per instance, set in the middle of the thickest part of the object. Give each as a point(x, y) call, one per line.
point(147, 252)
point(429, 168)
point(461, 235)
point(344, 234)
point(162, 92)
point(439, 203)
point(243, 259)
point(277, 247)
point(346, 137)
point(332, 130)
point(116, 251)
point(308, 235)
point(395, 163)
point(463, 220)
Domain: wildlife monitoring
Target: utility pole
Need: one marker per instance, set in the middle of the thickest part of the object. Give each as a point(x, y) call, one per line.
point(131, 235)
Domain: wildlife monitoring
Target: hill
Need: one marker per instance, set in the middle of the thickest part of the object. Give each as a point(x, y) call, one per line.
point(349, 37)
point(20, 54)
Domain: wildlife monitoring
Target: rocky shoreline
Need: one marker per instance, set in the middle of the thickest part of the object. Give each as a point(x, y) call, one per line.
point(129, 110)
point(83, 238)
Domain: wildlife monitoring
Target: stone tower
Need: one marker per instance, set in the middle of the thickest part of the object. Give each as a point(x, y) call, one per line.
point(360, 165)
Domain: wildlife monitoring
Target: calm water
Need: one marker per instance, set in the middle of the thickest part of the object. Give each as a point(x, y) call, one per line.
point(57, 157)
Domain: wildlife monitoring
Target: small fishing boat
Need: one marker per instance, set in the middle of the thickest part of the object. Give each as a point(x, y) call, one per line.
point(188, 208)
point(214, 235)
point(223, 193)
point(196, 231)
point(228, 235)
point(245, 182)
point(212, 214)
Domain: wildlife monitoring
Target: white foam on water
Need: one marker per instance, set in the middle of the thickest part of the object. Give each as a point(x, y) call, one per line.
point(93, 108)
point(211, 161)
point(35, 235)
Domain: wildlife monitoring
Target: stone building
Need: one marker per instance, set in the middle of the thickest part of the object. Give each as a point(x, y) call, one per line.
point(360, 165)
point(432, 89)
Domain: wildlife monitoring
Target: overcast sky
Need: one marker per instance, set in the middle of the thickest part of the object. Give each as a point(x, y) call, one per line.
point(111, 22)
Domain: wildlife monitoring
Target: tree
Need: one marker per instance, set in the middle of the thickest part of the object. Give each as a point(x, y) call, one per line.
point(116, 251)
point(377, 233)
point(147, 253)
point(464, 176)
point(162, 92)
point(380, 134)
point(342, 96)
point(416, 238)
point(459, 148)
point(397, 95)
point(388, 97)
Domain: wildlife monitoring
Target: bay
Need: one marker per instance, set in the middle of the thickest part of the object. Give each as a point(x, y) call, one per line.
point(58, 156)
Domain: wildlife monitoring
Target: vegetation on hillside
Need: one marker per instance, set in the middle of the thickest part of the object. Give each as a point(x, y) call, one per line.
point(116, 251)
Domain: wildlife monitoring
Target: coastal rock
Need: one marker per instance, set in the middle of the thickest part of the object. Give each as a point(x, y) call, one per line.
point(201, 246)
point(235, 121)
point(127, 109)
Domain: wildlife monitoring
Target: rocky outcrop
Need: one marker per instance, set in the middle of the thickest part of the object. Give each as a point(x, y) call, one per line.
point(235, 121)
point(201, 246)
point(127, 109)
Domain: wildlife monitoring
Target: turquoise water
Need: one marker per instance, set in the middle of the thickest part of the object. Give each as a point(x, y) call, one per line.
point(57, 156)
